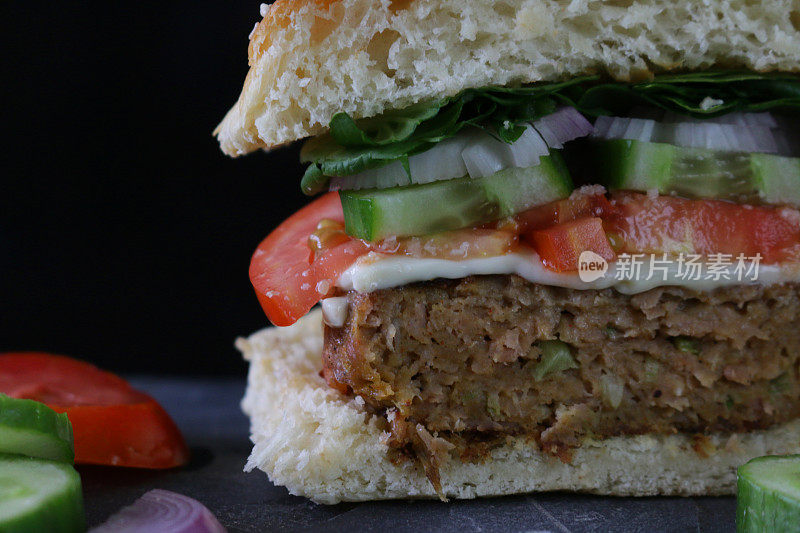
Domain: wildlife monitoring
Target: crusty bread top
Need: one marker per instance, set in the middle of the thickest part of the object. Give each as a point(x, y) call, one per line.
point(310, 59)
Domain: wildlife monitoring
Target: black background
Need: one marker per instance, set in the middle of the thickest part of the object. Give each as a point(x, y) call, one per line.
point(125, 234)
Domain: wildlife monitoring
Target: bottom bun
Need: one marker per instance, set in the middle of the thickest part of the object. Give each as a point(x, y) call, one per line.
point(327, 447)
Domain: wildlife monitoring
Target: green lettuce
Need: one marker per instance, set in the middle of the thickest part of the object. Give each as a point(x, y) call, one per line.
point(699, 95)
point(352, 146)
point(355, 145)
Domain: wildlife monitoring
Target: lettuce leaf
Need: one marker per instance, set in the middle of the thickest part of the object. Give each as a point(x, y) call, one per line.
point(355, 145)
point(688, 94)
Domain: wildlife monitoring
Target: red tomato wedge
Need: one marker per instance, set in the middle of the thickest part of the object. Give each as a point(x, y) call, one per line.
point(658, 224)
point(560, 246)
point(112, 423)
point(287, 279)
point(578, 205)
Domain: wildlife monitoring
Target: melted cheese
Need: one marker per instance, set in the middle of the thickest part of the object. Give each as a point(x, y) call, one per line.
point(378, 271)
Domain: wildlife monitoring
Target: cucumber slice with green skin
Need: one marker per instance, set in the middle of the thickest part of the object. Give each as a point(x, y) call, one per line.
point(698, 172)
point(38, 495)
point(374, 214)
point(33, 429)
point(783, 175)
point(768, 496)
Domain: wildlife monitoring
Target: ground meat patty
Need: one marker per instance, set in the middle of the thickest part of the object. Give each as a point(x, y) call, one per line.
point(458, 359)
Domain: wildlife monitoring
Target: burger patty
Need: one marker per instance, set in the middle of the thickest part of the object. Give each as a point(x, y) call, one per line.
point(461, 360)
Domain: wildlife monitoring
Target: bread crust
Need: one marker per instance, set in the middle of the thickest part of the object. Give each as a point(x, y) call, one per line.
point(329, 448)
point(312, 58)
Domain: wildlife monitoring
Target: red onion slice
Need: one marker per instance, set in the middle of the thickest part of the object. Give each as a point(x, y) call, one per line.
point(565, 125)
point(486, 156)
point(475, 153)
point(162, 511)
point(737, 132)
point(528, 149)
point(738, 118)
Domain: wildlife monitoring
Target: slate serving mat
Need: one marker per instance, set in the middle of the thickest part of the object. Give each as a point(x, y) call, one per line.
point(207, 412)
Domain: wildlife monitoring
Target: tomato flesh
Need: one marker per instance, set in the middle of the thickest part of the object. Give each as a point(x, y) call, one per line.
point(666, 224)
point(290, 276)
point(560, 246)
point(113, 424)
point(579, 205)
point(287, 278)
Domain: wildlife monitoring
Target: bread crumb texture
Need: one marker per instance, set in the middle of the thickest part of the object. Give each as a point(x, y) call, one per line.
point(324, 446)
point(310, 59)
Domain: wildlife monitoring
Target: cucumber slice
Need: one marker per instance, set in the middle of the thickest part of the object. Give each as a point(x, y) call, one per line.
point(33, 429)
point(634, 165)
point(452, 204)
point(777, 177)
point(38, 495)
point(698, 172)
point(768, 496)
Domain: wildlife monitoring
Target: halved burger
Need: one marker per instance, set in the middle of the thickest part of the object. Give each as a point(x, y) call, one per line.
point(555, 245)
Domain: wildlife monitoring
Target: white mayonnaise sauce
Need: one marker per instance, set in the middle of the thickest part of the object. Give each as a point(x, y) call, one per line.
point(376, 271)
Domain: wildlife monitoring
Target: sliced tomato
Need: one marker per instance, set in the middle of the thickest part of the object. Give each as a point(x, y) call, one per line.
point(658, 224)
point(579, 205)
point(288, 279)
point(113, 424)
point(560, 246)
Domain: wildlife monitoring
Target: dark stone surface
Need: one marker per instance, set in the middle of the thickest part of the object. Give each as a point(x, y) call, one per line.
point(208, 413)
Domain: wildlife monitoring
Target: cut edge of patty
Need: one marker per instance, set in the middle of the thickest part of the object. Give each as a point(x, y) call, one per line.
point(326, 446)
point(454, 363)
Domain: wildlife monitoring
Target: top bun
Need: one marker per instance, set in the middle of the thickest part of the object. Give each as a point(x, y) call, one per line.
point(310, 59)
